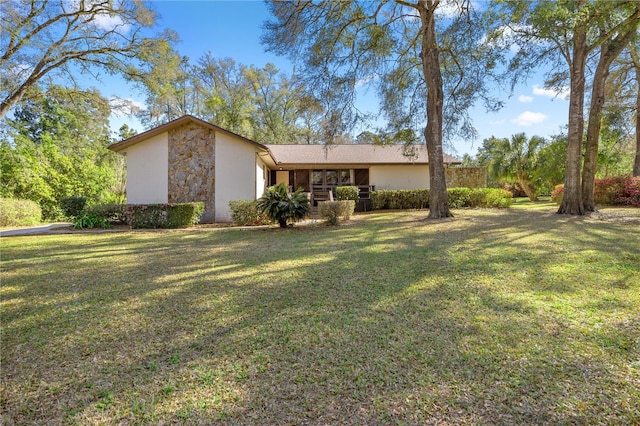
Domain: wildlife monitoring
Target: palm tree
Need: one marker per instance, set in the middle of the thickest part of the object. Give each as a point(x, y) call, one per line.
point(516, 159)
point(282, 206)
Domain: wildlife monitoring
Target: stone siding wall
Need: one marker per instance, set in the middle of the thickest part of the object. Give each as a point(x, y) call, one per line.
point(466, 177)
point(192, 167)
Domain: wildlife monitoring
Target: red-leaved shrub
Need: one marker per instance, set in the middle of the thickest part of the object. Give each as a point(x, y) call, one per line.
point(617, 190)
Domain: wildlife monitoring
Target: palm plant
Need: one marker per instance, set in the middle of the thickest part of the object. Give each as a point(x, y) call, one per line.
point(517, 159)
point(282, 206)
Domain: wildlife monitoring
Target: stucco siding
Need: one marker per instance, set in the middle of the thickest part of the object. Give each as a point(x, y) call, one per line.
point(413, 176)
point(235, 173)
point(147, 171)
point(261, 177)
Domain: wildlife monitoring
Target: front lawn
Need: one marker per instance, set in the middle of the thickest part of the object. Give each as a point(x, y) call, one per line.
point(514, 316)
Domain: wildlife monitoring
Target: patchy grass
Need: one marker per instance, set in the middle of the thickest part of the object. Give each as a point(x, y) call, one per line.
point(515, 316)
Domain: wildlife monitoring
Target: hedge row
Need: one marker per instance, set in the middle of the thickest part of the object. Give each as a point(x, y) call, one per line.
point(618, 190)
point(458, 197)
point(245, 213)
point(347, 193)
point(175, 215)
point(16, 212)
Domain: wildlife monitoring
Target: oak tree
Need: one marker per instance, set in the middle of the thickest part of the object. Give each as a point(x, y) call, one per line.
point(47, 38)
point(412, 51)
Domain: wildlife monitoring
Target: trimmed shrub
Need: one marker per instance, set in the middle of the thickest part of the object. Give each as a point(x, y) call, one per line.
point(90, 221)
point(333, 211)
point(177, 215)
point(347, 193)
point(16, 212)
point(400, 199)
point(73, 207)
point(458, 197)
point(496, 198)
point(245, 213)
point(115, 214)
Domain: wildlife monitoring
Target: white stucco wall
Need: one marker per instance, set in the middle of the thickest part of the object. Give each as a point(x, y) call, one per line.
point(147, 171)
point(411, 176)
point(235, 173)
point(261, 177)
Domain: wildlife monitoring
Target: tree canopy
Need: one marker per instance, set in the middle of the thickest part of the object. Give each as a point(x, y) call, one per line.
point(426, 61)
point(61, 38)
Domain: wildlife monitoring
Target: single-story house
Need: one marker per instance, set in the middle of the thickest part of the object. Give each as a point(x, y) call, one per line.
point(189, 159)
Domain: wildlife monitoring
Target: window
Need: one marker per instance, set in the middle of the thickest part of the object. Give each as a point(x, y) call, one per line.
point(317, 177)
point(332, 177)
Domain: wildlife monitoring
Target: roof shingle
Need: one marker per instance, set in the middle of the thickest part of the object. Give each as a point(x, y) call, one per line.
point(351, 154)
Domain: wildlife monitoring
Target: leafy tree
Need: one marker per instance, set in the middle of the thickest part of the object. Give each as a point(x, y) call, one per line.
point(55, 147)
point(167, 82)
point(226, 93)
point(282, 206)
point(622, 108)
point(564, 34)
point(614, 41)
point(422, 62)
point(513, 159)
point(277, 106)
point(549, 170)
point(48, 38)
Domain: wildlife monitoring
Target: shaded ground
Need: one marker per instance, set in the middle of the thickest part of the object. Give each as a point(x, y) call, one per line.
point(493, 317)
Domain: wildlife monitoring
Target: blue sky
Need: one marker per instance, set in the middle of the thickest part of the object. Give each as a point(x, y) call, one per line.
point(233, 29)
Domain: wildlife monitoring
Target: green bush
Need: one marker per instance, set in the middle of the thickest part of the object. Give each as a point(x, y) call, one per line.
point(90, 221)
point(458, 197)
point(15, 212)
point(399, 199)
point(495, 197)
point(282, 206)
point(73, 207)
point(347, 193)
point(333, 211)
point(115, 214)
point(164, 215)
point(245, 213)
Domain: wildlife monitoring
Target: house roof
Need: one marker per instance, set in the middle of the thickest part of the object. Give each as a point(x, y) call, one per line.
point(122, 145)
point(296, 155)
point(351, 154)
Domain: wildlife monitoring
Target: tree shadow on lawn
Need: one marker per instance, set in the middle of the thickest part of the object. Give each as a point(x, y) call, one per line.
point(402, 321)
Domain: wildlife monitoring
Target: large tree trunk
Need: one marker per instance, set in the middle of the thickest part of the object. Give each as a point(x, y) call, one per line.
point(636, 67)
point(528, 189)
point(572, 196)
point(609, 51)
point(593, 134)
point(636, 163)
point(429, 55)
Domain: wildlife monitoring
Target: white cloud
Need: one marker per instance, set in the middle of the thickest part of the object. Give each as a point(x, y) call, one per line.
point(563, 92)
point(529, 118)
point(525, 99)
point(108, 22)
point(366, 80)
point(99, 15)
point(121, 107)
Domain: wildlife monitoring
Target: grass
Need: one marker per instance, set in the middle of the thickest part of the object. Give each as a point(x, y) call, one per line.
point(515, 316)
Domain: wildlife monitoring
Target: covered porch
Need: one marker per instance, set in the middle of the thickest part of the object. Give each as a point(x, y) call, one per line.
point(319, 183)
